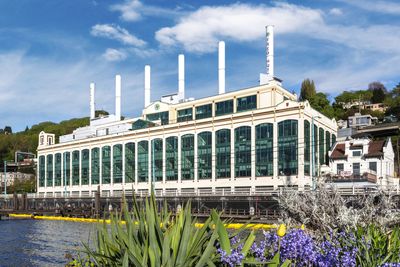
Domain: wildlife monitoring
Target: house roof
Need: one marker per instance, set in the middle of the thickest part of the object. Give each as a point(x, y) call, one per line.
point(375, 149)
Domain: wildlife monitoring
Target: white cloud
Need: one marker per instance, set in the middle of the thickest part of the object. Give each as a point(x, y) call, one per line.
point(112, 54)
point(201, 30)
point(129, 10)
point(116, 33)
point(134, 10)
point(385, 7)
point(336, 11)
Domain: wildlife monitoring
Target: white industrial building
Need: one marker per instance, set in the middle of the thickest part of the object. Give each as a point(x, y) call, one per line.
point(249, 140)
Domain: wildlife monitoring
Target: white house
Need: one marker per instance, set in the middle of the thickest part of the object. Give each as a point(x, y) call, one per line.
point(363, 160)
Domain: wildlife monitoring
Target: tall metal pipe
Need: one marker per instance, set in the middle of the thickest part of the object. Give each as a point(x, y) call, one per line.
point(181, 76)
point(221, 67)
point(147, 85)
point(270, 51)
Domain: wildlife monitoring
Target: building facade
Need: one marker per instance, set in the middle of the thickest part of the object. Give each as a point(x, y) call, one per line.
point(250, 139)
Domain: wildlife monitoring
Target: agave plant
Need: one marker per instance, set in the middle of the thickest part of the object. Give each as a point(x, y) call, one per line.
point(149, 238)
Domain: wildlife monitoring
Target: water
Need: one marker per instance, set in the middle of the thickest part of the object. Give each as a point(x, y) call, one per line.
point(41, 243)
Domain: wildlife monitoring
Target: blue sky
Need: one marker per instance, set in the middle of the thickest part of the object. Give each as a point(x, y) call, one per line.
point(51, 50)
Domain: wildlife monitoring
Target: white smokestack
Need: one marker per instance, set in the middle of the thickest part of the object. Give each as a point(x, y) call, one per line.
point(181, 76)
point(221, 67)
point(270, 51)
point(146, 85)
point(118, 97)
point(92, 103)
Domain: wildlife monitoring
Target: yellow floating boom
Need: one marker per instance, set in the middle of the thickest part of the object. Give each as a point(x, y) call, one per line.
point(89, 220)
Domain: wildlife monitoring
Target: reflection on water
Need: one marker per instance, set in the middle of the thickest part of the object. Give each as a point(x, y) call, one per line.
point(41, 243)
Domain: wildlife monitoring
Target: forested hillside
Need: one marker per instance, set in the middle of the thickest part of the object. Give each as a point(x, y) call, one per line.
point(28, 140)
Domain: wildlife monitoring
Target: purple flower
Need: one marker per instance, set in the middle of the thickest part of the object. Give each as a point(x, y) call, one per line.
point(298, 247)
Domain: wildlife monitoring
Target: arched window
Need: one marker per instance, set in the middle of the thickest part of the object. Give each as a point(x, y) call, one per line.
point(67, 167)
point(157, 158)
point(321, 146)
point(264, 149)
point(307, 150)
point(106, 164)
point(75, 167)
point(143, 161)
point(171, 158)
point(42, 171)
point(223, 153)
point(49, 169)
point(95, 165)
point(85, 167)
point(130, 163)
point(117, 164)
point(327, 146)
point(204, 157)
point(57, 170)
point(243, 151)
point(287, 147)
point(187, 152)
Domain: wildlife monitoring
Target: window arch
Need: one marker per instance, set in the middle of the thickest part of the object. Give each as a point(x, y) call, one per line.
point(243, 151)
point(157, 158)
point(187, 161)
point(57, 169)
point(204, 155)
point(117, 164)
point(287, 147)
point(171, 158)
point(130, 162)
point(106, 164)
point(223, 153)
point(321, 146)
point(264, 149)
point(95, 165)
point(42, 171)
point(307, 150)
point(143, 161)
point(85, 166)
point(49, 168)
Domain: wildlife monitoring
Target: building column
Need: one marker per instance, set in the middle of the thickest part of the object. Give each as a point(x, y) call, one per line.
point(123, 167)
point(253, 152)
point(111, 169)
point(179, 163)
point(195, 161)
point(213, 160)
point(301, 180)
point(136, 166)
point(150, 163)
point(275, 145)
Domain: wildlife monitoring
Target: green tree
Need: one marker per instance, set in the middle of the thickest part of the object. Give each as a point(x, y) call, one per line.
point(307, 90)
point(378, 92)
point(321, 103)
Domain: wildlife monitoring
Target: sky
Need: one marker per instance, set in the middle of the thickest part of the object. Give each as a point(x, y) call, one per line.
point(50, 51)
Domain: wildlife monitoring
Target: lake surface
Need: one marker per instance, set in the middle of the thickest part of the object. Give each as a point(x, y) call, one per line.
point(41, 243)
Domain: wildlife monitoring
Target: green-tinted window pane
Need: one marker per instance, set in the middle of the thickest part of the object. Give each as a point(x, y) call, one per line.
point(246, 103)
point(187, 152)
point(157, 158)
point(171, 158)
point(307, 150)
point(321, 146)
point(75, 167)
point(106, 164)
point(223, 153)
point(95, 165)
point(117, 164)
point(243, 151)
point(42, 170)
point(287, 147)
point(314, 151)
point(264, 149)
point(57, 170)
point(85, 167)
point(185, 114)
point(130, 163)
point(327, 146)
point(204, 156)
point(162, 116)
point(49, 169)
point(143, 161)
point(333, 139)
point(224, 107)
point(67, 167)
point(204, 111)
